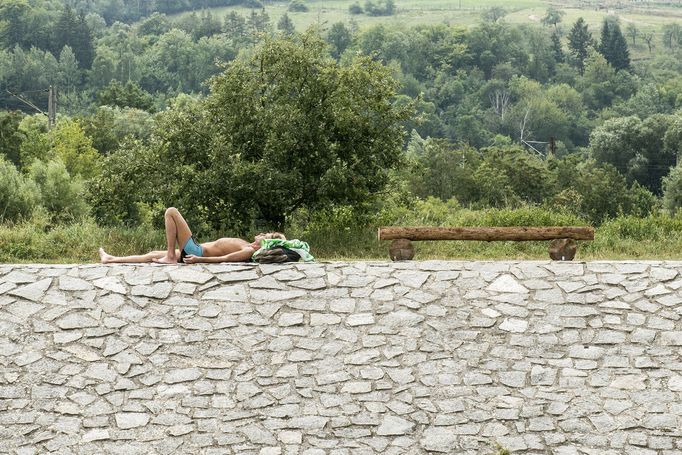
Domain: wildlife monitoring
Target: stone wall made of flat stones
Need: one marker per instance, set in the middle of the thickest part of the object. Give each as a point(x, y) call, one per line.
point(342, 358)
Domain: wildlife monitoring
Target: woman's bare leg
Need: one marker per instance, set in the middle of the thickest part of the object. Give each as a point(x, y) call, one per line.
point(177, 230)
point(106, 258)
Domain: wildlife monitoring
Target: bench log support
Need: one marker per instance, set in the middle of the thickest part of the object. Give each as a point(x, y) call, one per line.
point(401, 250)
point(562, 248)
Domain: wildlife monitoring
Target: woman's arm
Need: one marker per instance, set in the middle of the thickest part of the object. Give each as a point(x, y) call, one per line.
point(242, 255)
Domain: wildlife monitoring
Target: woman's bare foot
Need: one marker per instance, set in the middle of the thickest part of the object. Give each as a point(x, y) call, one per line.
point(166, 260)
point(105, 257)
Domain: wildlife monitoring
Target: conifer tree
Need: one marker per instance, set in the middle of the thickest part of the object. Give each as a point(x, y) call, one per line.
point(579, 40)
point(259, 23)
point(235, 27)
point(613, 46)
point(604, 47)
point(13, 23)
point(82, 43)
point(557, 50)
point(75, 33)
point(619, 49)
point(208, 26)
point(64, 31)
point(286, 25)
point(69, 76)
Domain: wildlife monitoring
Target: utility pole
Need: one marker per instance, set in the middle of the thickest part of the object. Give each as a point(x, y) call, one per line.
point(51, 107)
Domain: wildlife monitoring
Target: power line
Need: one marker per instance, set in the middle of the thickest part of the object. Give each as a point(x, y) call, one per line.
point(25, 101)
point(45, 90)
point(51, 103)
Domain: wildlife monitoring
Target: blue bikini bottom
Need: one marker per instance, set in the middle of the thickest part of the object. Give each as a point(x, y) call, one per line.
point(191, 248)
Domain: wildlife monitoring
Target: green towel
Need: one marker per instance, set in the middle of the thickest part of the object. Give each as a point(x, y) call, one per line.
point(296, 245)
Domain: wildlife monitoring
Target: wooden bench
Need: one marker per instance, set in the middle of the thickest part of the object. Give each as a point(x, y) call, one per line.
point(562, 247)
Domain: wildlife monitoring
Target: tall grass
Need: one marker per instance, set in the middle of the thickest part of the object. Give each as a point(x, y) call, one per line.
point(72, 243)
point(342, 234)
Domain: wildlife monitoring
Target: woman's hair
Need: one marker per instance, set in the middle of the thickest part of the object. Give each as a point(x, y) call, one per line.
point(274, 235)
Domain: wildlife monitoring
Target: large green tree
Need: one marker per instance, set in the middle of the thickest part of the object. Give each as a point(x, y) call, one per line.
point(302, 131)
point(235, 28)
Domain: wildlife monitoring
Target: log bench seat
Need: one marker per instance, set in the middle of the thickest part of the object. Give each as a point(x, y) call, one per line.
point(562, 246)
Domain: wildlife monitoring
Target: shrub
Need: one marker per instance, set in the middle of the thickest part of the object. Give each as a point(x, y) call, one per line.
point(651, 228)
point(60, 195)
point(75, 149)
point(18, 194)
point(11, 136)
point(381, 8)
point(443, 170)
point(37, 143)
point(640, 201)
point(355, 8)
point(672, 190)
point(297, 6)
point(126, 177)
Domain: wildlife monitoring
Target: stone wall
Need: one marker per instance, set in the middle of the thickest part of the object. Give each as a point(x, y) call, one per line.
point(359, 358)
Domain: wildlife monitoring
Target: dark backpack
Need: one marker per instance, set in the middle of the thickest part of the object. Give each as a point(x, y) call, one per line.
point(277, 255)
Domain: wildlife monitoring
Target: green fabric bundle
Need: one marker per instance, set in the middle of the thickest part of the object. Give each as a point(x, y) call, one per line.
point(300, 247)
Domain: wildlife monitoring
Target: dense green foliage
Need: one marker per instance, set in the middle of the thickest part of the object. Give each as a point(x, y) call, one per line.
point(508, 176)
point(245, 124)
